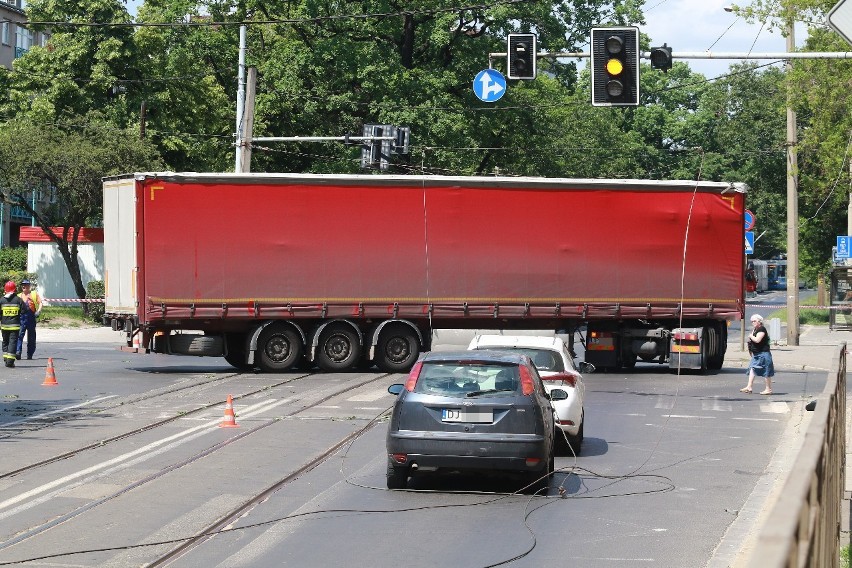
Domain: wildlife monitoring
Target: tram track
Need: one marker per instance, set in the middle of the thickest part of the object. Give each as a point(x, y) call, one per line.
point(147, 427)
point(197, 539)
point(56, 420)
point(243, 509)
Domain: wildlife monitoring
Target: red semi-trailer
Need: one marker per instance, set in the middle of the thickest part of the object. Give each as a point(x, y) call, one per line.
point(272, 270)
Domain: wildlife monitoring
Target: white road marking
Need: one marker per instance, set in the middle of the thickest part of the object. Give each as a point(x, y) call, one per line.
point(667, 402)
point(688, 416)
point(370, 396)
point(775, 407)
point(716, 405)
point(124, 460)
point(57, 411)
point(756, 419)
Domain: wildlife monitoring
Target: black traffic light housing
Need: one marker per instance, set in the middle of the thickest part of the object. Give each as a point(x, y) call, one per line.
point(522, 49)
point(615, 66)
point(661, 58)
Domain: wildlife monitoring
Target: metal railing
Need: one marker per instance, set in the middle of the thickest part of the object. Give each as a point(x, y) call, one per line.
point(803, 527)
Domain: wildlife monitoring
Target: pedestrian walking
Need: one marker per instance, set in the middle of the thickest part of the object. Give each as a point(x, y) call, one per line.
point(29, 317)
point(11, 307)
point(761, 357)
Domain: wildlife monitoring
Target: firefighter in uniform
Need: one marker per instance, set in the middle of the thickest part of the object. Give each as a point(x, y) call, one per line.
point(11, 307)
point(29, 316)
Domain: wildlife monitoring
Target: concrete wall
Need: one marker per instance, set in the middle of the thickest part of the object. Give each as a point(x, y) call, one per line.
point(53, 278)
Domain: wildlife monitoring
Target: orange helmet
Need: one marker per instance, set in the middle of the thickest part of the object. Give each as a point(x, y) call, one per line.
point(10, 287)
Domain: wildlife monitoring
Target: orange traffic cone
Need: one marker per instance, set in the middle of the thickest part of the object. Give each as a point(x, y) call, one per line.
point(50, 374)
point(230, 421)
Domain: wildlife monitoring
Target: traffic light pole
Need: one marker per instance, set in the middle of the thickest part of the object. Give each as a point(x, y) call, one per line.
point(779, 55)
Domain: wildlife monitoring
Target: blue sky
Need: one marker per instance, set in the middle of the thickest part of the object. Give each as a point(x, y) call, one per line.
point(699, 25)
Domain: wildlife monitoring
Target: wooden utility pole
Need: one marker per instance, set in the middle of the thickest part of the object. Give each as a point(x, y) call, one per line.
point(792, 205)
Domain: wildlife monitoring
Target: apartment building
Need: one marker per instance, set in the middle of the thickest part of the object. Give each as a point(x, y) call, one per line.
point(15, 41)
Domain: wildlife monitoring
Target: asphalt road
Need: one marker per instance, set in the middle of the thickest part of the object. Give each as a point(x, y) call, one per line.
point(668, 463)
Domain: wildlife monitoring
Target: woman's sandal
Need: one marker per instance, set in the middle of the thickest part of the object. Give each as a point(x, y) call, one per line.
point(766, 392)
point(746, 390)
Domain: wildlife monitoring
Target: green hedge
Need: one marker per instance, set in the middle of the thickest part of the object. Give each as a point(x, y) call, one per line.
point(95, 289)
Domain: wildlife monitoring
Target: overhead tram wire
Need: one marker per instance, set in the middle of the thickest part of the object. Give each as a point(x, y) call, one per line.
point(316, 19)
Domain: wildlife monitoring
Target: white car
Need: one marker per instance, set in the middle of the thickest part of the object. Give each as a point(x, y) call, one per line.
point(556, 367)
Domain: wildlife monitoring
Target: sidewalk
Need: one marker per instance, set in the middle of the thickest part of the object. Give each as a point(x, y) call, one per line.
point(817, 346)
point(99, 334)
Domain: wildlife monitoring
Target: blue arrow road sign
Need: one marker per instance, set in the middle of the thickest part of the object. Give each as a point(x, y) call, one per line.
point(844, 247)
point(749, 242)
point(489, 85)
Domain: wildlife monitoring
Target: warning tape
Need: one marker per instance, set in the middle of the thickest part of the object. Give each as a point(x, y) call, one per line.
point(73, 300)
point(801, 306)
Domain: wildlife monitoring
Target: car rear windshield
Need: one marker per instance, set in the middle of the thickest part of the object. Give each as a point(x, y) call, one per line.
point(455, 378)
point(544, 359)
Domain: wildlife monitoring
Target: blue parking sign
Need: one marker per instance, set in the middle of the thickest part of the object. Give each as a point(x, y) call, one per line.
point(844, 247)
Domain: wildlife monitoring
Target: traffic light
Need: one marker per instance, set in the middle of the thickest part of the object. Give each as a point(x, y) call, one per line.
point(521, 49)
point(615, 66)
point(661, 58)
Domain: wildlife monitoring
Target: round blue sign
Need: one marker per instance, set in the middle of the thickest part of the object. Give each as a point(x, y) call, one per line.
point(489, 85)
point(749, 220)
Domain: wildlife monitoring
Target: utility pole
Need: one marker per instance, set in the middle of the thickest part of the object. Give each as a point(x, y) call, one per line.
point(792, 204)
point(248, 123)
point(143, 116)
point(241, 98)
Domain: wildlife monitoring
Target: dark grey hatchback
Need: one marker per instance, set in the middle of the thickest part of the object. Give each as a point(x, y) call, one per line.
point(472, 411)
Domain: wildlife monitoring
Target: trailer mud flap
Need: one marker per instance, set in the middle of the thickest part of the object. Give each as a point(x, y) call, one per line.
point(686, 349)
point(601, 349)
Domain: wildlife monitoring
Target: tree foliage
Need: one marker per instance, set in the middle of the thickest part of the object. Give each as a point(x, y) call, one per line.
point(325, 68)
point(66, 167)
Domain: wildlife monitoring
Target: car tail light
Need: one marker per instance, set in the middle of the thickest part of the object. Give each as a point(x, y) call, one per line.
point(685, 336)
point(566, 378)
point(527, 384)
point(566, 422)
point(412, 376)
point(399, 458)
point(532, 462)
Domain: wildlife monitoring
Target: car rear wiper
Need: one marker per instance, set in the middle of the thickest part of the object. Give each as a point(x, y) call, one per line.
point(486, 391)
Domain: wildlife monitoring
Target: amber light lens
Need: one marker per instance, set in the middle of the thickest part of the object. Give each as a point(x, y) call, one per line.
point(614, 67)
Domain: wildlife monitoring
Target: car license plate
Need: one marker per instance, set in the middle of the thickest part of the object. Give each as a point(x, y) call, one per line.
point(462, 415)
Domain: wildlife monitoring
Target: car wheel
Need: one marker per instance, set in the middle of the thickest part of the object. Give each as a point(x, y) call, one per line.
point(397, 476)
point(539, 481)
point(576, 442)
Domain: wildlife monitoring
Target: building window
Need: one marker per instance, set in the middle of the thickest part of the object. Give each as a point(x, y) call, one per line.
point(23, 41)
point(6, 35)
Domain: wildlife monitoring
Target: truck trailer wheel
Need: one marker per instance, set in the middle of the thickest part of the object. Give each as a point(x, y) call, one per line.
point(398, 349)
point(236, 357)
point(278, 348)
point(338, 348)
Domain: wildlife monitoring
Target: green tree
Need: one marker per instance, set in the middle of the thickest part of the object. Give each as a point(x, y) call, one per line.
point(69, 164)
